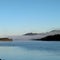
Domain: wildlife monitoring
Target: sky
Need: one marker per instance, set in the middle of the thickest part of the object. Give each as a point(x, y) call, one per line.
point(21, 16)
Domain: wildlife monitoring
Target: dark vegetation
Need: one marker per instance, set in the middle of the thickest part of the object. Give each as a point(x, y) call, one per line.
point(50, 38)
point(5, 39)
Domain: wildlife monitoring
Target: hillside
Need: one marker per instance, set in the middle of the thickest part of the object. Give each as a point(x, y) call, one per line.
point(5, 39)
point(50, 38)
point(30, 36)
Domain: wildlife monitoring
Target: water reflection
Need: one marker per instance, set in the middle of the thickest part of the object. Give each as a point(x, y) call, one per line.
point(30, 51)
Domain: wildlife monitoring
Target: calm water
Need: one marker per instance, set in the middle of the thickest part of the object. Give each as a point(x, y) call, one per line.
point(31, 50)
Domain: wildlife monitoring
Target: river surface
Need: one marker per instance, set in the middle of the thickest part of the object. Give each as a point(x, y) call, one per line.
point(30, 50)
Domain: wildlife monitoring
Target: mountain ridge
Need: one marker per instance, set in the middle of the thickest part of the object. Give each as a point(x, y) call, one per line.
point(29, 36)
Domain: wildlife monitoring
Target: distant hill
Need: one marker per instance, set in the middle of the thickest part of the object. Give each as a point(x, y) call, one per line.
point(50, 38)
point(53, 32)
point(5, 39)
point(30, 34)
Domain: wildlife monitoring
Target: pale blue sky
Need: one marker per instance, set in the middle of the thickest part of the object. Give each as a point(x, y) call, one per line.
point(21, 16)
